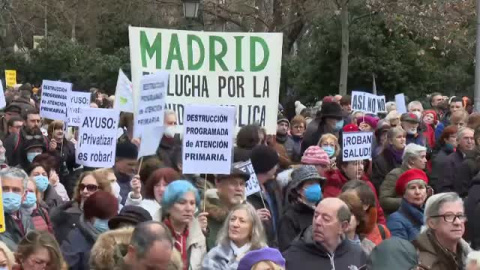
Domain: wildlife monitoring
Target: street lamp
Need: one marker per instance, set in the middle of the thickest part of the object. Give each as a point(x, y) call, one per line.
point(190, 8)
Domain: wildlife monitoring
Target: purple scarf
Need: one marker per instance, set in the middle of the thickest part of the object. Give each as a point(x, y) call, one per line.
point(396, 154)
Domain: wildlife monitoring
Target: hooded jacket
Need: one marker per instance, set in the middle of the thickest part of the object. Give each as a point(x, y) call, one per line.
point(431, 256)
point(401, 255)
point(306, 254)
point(333, 187)
point(406, 222)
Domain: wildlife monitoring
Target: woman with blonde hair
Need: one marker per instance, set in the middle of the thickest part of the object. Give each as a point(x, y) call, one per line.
point(329, 143)
point(263, 259)
point(242, 232)
point(7, 260)
point(39, 250)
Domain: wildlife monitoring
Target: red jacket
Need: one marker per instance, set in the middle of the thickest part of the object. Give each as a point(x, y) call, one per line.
point(333, 187)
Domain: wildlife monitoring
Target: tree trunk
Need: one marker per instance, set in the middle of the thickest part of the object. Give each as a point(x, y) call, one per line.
point(345, 50)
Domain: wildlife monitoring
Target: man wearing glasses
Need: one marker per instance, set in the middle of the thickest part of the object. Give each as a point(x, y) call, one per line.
point(441, 246)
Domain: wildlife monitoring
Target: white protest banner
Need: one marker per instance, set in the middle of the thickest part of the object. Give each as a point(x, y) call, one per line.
point(208, 139)
point(400, 103)
point(123, 94)
point(97, 138)
point(55, 100)
point(78, 100)
point(217, 68)
point(151, 106)
point(252, 185)
point(357, 145)
point(150, 140)
point(3, 103)
point(368, 103)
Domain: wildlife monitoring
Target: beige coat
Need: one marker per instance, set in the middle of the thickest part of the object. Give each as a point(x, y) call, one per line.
point(196, 245)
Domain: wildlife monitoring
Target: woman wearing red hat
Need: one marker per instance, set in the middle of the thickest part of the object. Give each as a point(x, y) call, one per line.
point(407, 221)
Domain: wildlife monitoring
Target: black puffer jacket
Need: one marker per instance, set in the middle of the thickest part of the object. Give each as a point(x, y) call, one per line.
point(472, 209)
point(438, 162)
point(305, 254)
point(297, 218)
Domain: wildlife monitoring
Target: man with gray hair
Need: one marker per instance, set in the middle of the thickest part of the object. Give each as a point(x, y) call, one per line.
point(14, 183)
point(441, 246)
point(324, 245)
point(150, 247)
point(414, 157)
point(448, 180)
point(171, 142)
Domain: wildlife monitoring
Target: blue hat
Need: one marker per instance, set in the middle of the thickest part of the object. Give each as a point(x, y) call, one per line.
point(264, 254)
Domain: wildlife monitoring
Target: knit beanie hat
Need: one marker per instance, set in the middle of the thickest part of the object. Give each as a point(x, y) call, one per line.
point(127, 150)
point(350, 128)
point(315, 155)
point(305, 173)
point(370, 120)
point(299, 107)
point(263, 158)
point(264, 254)
point(407, 177)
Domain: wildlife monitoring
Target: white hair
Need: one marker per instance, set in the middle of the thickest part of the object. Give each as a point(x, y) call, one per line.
point(414, 103)
point(462, 132)
point(412, 151)
point(435, 202)
point(15, 173)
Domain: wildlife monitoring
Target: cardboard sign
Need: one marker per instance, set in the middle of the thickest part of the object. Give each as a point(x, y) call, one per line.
point(3, 103)
point(150, 141)
point(78, 100)
point(55, 100)
point(367, 103)
point(97, 138)
point(252, 185)
point(124, 94)
point(151, 106)
point(357, 146)
point(10, 78)
point(400, 103)
point(208, 139)
point(217, 68)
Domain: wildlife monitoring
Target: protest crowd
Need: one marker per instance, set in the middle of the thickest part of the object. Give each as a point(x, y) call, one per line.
point(165, 175)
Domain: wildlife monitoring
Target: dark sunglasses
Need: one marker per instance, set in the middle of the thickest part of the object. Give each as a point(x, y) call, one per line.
point(31, 137)
point(89, 187)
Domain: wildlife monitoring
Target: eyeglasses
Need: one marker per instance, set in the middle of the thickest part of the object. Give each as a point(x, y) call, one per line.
point(31, 137)
point(90, 187)
point(452, 217)
point(298, 127)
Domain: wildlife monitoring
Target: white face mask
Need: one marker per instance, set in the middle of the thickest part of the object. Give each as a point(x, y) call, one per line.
point(169, 131)
point(116, 190)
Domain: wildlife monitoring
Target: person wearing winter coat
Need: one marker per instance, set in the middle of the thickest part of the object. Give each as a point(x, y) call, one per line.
point(293, 145)
point(269, 204)
point(303, 194)
point(40, 173)
point(34, 207)
point(229, 192)
point(414, 157)
point(446, 145)
point(472, 210)
point(448, 180)
point(241, 232)
point(410, 123)
point(278, 141)
point(97, 210)
point(401, 255)
point(179, 202)
point(328, 120)
point(440, 246)
point(407, 221)
point(66, 217)
point(153, 191)
point(349, 170)
point(325, 247)
point(391, 156)
point(469, 167)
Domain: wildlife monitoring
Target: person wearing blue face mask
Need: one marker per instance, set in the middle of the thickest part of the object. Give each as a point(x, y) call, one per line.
point(40, 173)
point(36, 208)
point(328, 120)
point(33, 148)
point(14, 182)
point(98, 209)
point(303, 194)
